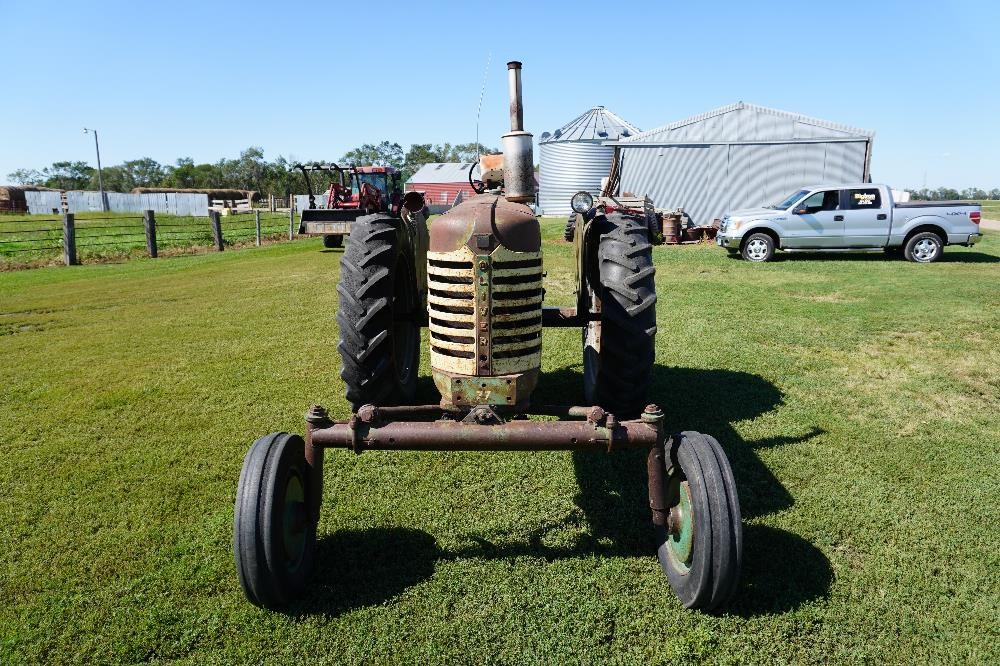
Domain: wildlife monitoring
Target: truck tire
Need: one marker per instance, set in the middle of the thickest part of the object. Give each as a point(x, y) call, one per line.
point(618, 350)
point(924, 247)
point(333, 240)
point(378, 315)
point(758, 247)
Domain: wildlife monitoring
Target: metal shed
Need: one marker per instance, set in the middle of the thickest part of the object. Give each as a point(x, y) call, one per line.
point(575, 157)
point(739, 156)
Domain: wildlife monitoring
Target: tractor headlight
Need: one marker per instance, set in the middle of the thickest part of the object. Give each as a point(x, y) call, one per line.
point(581, 202)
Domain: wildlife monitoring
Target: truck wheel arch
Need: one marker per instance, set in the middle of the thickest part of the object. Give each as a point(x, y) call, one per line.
point(920, 228)
point(761, 230)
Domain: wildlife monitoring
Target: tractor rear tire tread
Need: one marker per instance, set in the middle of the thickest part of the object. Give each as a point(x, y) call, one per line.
point(365, 315)
point(620, 374)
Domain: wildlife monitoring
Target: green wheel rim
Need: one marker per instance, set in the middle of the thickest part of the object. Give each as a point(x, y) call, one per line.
point(680, 544)
point(294, 522)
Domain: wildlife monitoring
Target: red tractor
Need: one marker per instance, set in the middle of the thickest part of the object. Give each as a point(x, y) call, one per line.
point(353, 191)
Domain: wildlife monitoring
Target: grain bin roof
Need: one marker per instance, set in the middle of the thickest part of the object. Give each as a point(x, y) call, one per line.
point(596, 125)
point(444, 172)
point(743, 122)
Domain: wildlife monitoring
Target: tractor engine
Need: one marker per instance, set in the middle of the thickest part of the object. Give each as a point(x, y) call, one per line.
point(484, 283)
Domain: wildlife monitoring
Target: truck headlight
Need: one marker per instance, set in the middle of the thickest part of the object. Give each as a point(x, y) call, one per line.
point(734, 224)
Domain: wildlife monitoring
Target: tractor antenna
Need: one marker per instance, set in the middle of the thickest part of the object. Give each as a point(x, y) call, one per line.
point(482, 93)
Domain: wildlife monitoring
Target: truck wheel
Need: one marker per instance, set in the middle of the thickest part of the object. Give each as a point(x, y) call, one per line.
point(758, 247)
point(379, 332)
point(333, 240)
point(274, 536)
point(570, 231)
point(924, 247)
point(701, 548)
point(618, 351)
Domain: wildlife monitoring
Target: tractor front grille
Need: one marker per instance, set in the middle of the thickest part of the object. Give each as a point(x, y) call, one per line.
point(485, 311)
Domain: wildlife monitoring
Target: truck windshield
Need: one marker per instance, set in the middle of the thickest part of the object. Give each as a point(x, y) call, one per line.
point(789, 201)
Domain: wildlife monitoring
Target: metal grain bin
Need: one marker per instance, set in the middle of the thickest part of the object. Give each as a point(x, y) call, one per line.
point(573, 157)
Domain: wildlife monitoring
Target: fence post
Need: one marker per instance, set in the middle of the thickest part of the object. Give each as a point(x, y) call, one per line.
point(291, 223)
point(149, 222)
point(69, 240)
point(216, 220)
point(256, 219)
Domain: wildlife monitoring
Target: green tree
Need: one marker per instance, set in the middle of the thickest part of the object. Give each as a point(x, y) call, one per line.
point(383, 154)
point(26, 177)
point(68, 175)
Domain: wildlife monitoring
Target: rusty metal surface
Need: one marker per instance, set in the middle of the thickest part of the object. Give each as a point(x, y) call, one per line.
point(484, 222)
point(517, 145)
point(519, 435)
point(463, 391)
point(656, 471)
point(553, 317)
point(485, 313)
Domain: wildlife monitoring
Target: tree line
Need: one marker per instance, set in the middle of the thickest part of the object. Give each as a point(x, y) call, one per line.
point(949, 194)
point(250, 171)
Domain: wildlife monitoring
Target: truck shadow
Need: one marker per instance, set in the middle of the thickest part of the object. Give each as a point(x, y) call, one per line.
point(949, 256)
point(357, 568)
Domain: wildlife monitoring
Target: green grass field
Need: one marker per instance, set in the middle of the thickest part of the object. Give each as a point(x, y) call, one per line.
point(991, 210)
point(858, 397)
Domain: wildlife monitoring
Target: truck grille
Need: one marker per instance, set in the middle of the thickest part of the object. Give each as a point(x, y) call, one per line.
point(485, 311)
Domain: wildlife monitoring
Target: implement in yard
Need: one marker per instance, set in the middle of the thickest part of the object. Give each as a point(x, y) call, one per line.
point(476, 281)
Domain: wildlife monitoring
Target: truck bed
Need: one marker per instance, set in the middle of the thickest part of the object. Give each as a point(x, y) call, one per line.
point(935, 204)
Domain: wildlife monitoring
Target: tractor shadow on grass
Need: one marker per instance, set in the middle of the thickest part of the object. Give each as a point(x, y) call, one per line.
point(781, 570)
point(358, 568)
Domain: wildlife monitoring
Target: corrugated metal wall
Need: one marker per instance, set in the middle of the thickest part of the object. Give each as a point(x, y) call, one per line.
point(565, 168)
point(708, 180)
point(173, 203)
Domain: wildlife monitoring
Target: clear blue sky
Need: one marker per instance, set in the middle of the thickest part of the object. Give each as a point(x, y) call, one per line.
point(310, 81)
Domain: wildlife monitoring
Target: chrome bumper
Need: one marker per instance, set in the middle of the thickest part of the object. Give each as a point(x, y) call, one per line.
point(727, 241)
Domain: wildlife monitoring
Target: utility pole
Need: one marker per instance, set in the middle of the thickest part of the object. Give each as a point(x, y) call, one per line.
point(100, 178)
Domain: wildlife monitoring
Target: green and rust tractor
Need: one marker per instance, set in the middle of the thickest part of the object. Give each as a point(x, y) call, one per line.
point(475, 280)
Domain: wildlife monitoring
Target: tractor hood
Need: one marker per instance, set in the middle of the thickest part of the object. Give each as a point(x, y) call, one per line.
point(485, 222)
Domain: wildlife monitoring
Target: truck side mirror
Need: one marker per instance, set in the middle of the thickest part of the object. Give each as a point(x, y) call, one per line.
point(800, 211)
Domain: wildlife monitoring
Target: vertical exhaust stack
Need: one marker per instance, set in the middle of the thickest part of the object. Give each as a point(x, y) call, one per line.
point(518, 153)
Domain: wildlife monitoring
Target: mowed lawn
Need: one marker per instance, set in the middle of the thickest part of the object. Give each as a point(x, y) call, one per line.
point(858, 397)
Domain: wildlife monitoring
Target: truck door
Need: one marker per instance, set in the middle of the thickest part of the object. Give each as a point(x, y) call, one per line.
point(866, 222)
point(816, 222)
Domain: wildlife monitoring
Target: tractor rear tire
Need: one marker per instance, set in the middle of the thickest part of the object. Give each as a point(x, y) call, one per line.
point(378, 314)
point(274, 532)
point(618, 350)
point(570, 231)
point(703, 555)
point(333, 240)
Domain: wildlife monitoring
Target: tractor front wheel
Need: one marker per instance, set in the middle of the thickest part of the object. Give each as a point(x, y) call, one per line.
point(274, 529)
point(701, 547)
point(331, 241)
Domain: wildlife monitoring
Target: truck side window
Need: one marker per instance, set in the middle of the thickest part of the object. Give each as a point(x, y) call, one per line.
point(861, 199)
point(820, 201)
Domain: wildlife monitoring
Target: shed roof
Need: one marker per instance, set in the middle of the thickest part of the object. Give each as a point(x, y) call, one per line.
point(444, 172)
point(597, 125)
point(746, 122)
